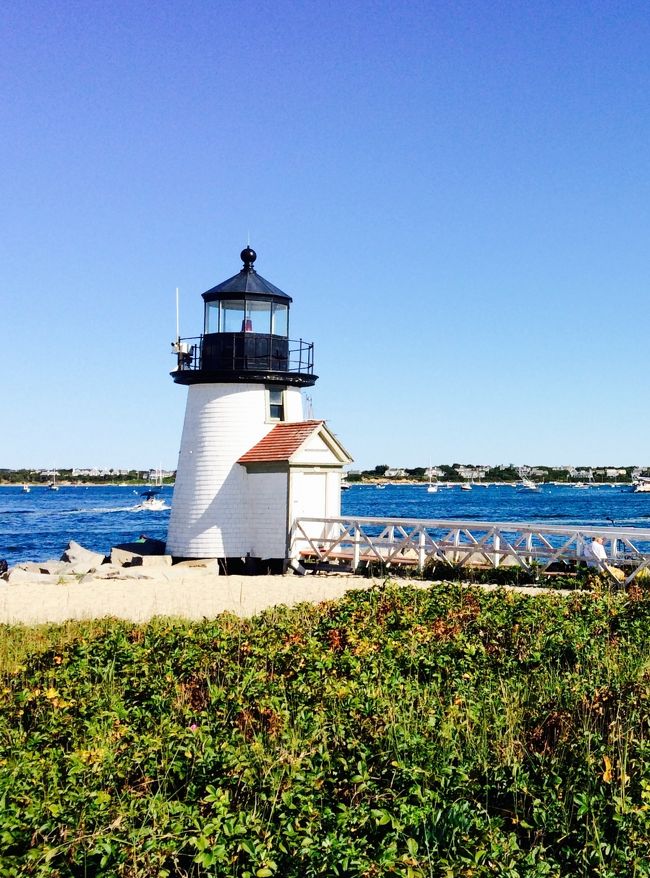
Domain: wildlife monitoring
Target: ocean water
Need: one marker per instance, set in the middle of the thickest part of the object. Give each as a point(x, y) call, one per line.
point(38, 526)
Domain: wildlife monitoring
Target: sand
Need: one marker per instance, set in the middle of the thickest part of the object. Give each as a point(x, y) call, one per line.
point(187, 593)
point(167, 593)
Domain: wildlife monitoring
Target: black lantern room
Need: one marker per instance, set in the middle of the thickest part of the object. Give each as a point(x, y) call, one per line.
point(245, 336)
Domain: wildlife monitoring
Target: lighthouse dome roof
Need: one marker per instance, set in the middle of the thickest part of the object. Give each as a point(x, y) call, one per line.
point(246, 281)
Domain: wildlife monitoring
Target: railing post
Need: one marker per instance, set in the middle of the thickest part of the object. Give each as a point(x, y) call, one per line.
point(529, 548)
point(421, 550)
point(613, 548)
point(356, 551)
point(580, 547)
point(497, 547)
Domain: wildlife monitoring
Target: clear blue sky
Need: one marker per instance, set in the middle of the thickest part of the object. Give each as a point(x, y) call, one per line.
point(456, 195)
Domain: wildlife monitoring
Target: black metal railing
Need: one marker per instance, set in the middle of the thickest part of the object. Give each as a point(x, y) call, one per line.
point(244, 352)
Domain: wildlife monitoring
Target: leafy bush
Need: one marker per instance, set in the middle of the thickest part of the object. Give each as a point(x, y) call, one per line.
point(434, 731)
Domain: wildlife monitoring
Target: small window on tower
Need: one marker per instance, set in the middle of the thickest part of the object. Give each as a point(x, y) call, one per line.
point(276, 403)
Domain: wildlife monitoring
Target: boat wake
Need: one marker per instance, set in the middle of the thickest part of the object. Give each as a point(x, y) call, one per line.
point(53, 513)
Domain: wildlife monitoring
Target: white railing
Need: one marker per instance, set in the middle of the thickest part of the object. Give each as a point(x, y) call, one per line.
point(420, 542)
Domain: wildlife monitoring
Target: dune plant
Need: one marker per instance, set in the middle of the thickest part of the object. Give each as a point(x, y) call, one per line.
point(432, 731)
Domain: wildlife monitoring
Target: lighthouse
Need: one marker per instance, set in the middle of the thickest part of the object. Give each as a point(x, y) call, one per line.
point(249, 462)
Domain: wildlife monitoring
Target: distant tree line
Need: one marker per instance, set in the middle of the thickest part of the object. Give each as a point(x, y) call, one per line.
point(510, 473)
point(20, 476)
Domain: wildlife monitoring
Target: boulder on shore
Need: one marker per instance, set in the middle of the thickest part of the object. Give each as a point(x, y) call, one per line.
point(131, 554)
point(151, 561)
point(16, 576)
point(80, 559)
point(144, 546)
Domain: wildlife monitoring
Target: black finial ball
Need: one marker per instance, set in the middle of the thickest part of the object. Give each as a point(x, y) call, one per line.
point(248, 256)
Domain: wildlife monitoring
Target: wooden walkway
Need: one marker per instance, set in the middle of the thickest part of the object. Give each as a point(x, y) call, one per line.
point(351, 543)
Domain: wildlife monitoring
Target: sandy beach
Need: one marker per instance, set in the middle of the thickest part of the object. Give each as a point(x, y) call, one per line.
point(164, 593)
point(185, 593)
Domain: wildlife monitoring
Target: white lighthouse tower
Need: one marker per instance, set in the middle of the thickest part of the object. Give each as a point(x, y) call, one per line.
point(249, 462)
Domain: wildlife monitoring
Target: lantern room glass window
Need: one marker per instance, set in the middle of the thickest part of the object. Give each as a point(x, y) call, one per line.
point(239, 315)
point(233, 316)
point(258, 317)
point(280, 324)
point(212, 317)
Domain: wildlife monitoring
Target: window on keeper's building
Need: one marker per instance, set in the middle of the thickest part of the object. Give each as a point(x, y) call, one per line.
point(276, 403)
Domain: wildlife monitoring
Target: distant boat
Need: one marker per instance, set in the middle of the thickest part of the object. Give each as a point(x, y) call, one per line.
point(26, 488)
point(465, 487)
point(380, 487)
point(152, 502)
point(528, 485)
point(344, 486)
point(432, 487)
point(642, 485)
point(53, 485)
point(581, 485)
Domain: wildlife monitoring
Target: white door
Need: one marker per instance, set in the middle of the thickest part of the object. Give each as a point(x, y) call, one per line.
point(309, 500)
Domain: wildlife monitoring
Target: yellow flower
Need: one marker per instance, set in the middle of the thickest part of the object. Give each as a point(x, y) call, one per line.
point(607, 774)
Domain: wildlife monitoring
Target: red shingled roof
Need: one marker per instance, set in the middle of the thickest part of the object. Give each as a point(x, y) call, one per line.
point(283, 441)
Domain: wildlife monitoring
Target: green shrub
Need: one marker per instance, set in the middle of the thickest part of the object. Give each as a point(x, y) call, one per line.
point(433, 731)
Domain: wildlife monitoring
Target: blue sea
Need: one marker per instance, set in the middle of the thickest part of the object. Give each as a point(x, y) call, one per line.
point(38, 526)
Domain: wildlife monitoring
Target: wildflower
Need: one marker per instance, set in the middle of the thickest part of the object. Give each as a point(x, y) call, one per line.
point(607, 774)
point(194, 727)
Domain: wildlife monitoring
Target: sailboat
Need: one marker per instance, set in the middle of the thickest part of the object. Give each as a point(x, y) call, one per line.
point(26, 488)
point(527, 484)
point(53, 485)
point(432, 487)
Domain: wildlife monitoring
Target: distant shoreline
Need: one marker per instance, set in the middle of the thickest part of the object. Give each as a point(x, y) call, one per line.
point(67, 484)
point(378, 481)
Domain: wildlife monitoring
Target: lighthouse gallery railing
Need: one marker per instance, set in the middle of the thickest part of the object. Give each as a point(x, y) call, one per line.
point(419, 543)
point(296, 356)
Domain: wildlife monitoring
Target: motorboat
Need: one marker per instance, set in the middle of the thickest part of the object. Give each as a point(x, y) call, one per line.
point(642, 485)
point(26, 488)
point(465, 486)
point(152, 502)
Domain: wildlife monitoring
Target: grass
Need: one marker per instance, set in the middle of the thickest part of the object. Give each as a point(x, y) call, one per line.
point(431, 731)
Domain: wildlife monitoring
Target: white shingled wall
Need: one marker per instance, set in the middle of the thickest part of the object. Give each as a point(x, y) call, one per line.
point(210, 517)
point(268, 510)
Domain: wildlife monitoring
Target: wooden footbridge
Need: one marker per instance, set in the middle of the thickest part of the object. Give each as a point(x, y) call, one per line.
point(352, 543)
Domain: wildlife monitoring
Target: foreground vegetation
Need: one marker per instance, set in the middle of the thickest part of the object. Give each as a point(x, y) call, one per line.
point(397, 732)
